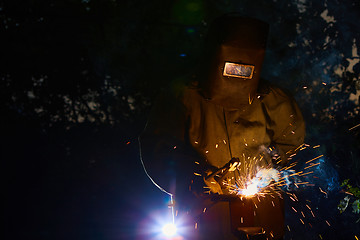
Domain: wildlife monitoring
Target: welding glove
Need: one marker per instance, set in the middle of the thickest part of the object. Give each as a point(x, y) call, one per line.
point(213, 185)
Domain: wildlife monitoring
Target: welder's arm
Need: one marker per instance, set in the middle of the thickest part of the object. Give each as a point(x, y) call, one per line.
point(286, 124)
point(168, 159)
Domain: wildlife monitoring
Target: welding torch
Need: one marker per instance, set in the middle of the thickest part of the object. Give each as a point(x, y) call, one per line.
point(221, 172)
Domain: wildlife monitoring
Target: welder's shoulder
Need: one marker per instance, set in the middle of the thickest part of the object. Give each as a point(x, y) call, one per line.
point(279, 101)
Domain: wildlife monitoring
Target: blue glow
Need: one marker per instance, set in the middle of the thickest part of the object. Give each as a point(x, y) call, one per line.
point(328, 177)
point(323, 175)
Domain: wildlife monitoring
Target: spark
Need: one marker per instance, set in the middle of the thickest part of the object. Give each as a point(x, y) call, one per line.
point(297, 173)
point(206, 151)
point(302, 183)
point(197, 163)
point(253, 182)
point(290, 166)
point(356, 237)
point(312, 165)
point(320, 236)
point(264, 181)
point(204, 210)
point(216, 145)
point(175, 147)
point(314, 159)
point(307, 173)
point(196, 142)
point(294, 196)
point(327, 223)
point(354, 127)
point(296, 149)
point(312, 213)
point(250, 190)
point(258, 182)
point(197, 174)
point(323, 191)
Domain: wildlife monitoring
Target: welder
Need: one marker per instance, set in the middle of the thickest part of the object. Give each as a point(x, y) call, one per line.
point(226, 112)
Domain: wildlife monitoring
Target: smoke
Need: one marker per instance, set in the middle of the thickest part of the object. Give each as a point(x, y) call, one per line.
point(266, 176)
point(320, 174)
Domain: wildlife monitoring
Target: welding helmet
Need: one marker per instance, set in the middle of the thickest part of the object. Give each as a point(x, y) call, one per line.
point(234, 53)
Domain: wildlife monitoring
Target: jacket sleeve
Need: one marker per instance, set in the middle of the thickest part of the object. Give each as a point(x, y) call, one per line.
point(285, 123)
point(168, 158)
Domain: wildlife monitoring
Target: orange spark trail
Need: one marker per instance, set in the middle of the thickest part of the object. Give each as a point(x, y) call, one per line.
point(313, 165)
point(314, 159)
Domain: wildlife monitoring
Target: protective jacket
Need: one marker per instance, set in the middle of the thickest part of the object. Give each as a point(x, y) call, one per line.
point(186, 134)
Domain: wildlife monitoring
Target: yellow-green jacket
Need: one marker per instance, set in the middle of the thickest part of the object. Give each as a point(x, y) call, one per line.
point(188, 134)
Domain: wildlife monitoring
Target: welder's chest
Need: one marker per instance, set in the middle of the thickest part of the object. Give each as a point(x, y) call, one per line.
point(219, 134)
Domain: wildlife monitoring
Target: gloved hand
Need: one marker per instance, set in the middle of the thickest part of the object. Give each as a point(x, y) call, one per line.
point(212, 184)
point(211, 179)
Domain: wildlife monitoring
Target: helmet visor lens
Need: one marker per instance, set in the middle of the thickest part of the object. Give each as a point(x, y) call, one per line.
point(238, 70)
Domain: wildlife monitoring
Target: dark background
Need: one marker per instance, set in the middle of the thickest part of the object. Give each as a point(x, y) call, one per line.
point(78, 78)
